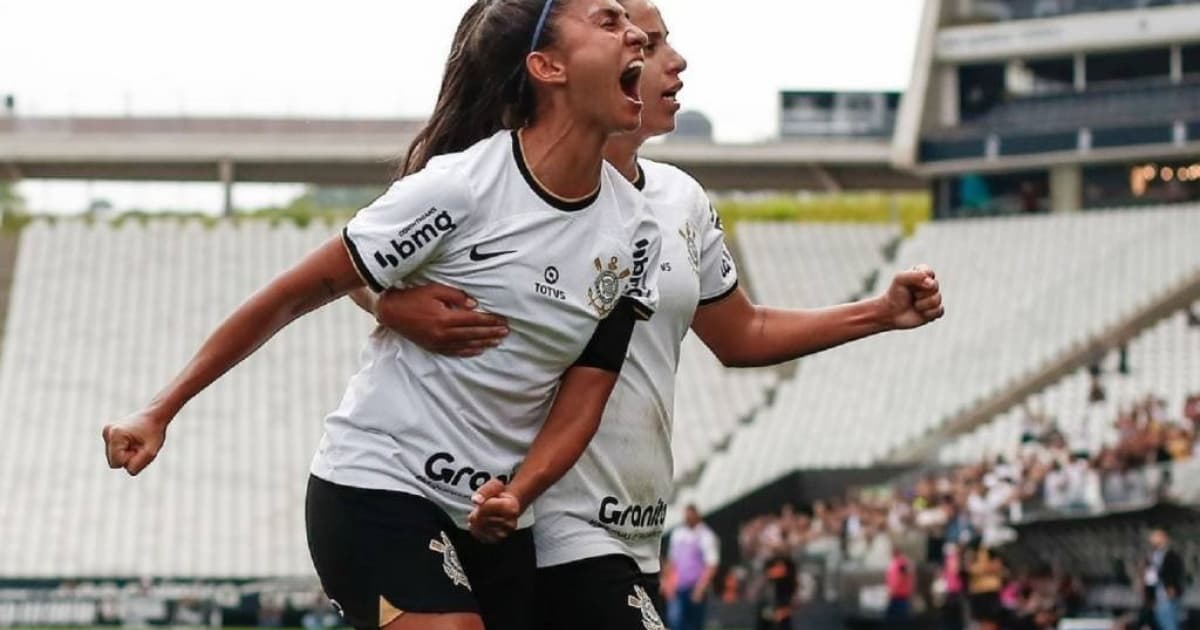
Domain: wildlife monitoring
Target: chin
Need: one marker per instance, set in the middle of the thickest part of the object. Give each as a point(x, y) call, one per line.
point(629, 125)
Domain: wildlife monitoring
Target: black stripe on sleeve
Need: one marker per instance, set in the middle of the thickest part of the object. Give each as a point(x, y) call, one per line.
point(641, 311)
point(610, 342)
point(359, 264)
point(728, 292)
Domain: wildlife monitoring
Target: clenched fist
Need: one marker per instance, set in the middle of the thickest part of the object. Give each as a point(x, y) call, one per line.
point(495, 514)
point(914, 299)
point(135, 442)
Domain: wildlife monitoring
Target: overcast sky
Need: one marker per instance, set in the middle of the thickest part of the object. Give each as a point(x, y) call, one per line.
point(359, 58)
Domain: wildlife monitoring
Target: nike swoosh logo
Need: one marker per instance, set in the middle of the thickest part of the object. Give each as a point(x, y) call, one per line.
point(479, 256)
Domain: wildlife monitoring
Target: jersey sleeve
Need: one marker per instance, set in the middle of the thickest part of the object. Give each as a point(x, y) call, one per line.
point(642, 288)
point(416, 220)
point(718, 273)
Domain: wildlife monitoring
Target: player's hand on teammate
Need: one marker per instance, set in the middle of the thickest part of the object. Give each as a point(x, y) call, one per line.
point(440, 319)
point(135, 442)
point(495, 514)
point(914, 299)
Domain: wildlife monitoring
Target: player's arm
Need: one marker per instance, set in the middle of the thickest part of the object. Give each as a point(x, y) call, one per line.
point(582, 394)
point(321, 277)
point(438, 318)
point(365, 299)
point(367, 253)
point(572, 422)
point(743, 334)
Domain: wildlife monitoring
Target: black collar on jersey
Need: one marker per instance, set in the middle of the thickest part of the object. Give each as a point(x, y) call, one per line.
point(566, 205)
point(640, 182)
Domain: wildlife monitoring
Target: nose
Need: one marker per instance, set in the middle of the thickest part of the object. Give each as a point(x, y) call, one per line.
point(635, 36)
point(680, 64)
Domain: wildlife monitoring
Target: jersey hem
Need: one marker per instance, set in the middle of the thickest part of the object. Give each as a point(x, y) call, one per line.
point(356, 479)
point(720, 296)
point(572, 551)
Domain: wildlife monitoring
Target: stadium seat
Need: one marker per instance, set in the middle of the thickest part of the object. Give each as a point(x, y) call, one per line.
point(1020, 291)
point(100, 318)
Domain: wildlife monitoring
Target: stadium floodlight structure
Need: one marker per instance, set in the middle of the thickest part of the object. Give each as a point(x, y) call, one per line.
point(1041, 105)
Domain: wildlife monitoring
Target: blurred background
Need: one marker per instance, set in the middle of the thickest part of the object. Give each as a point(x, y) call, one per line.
point(160, 161)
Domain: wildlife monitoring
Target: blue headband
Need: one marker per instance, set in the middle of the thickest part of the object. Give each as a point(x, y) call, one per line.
point(541, 26)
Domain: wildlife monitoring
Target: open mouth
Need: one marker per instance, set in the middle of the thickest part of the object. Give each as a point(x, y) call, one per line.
point(671, 95)
point(631, 81)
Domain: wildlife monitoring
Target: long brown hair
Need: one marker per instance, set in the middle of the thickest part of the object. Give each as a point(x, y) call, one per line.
point(484, 88)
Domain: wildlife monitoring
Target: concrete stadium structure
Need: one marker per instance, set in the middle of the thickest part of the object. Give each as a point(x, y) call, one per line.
point(365, 152)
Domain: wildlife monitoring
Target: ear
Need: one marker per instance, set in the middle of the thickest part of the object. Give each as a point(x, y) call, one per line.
point(545, 67)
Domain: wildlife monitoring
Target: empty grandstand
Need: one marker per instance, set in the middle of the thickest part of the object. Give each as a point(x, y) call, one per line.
point(99, 317)
point(825, 264)
point(1026, 291)
point(100, 313)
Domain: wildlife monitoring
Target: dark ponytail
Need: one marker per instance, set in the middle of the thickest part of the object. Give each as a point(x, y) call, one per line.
point(484, 88)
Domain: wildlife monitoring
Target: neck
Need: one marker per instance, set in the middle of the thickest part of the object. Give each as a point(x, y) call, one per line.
point(622, 152)
point(564, 156)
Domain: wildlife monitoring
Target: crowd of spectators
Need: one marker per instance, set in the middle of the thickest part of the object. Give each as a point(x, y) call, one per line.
point(948, 519)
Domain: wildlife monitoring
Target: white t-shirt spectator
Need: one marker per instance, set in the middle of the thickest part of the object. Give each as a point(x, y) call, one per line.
point(692, 550)
point(1056, 490)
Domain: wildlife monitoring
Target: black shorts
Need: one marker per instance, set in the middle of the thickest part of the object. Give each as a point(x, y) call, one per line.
point(379, 553)
point(605, 593)
point(986, 606)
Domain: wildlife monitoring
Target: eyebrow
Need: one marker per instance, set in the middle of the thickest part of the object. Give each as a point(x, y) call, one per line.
point(605, 12)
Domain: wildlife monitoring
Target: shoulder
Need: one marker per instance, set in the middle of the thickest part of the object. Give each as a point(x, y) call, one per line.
point(440, 182)
point(455, 179)
point(629, 205)
point(670, 182)
point(476, 164)
point(671, 178)
point(667, 174)
point(622, 189)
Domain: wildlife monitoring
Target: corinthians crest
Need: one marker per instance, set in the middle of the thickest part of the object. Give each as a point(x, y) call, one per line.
point(641, 600)
point(450, 562)
point(607, 287)
point(689, 236)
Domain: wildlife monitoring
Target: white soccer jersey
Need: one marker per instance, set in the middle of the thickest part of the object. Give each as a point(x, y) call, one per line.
point(440, 427)
point(614, 501)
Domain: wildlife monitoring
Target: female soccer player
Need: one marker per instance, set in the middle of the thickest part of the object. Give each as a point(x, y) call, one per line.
point(541, 230)
point(598, 562)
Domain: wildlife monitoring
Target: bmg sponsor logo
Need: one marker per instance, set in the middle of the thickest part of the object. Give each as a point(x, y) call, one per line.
point(428, 228)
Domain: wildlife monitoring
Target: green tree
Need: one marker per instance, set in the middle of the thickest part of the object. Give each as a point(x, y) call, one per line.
point(12, 204)
point(10, 199)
